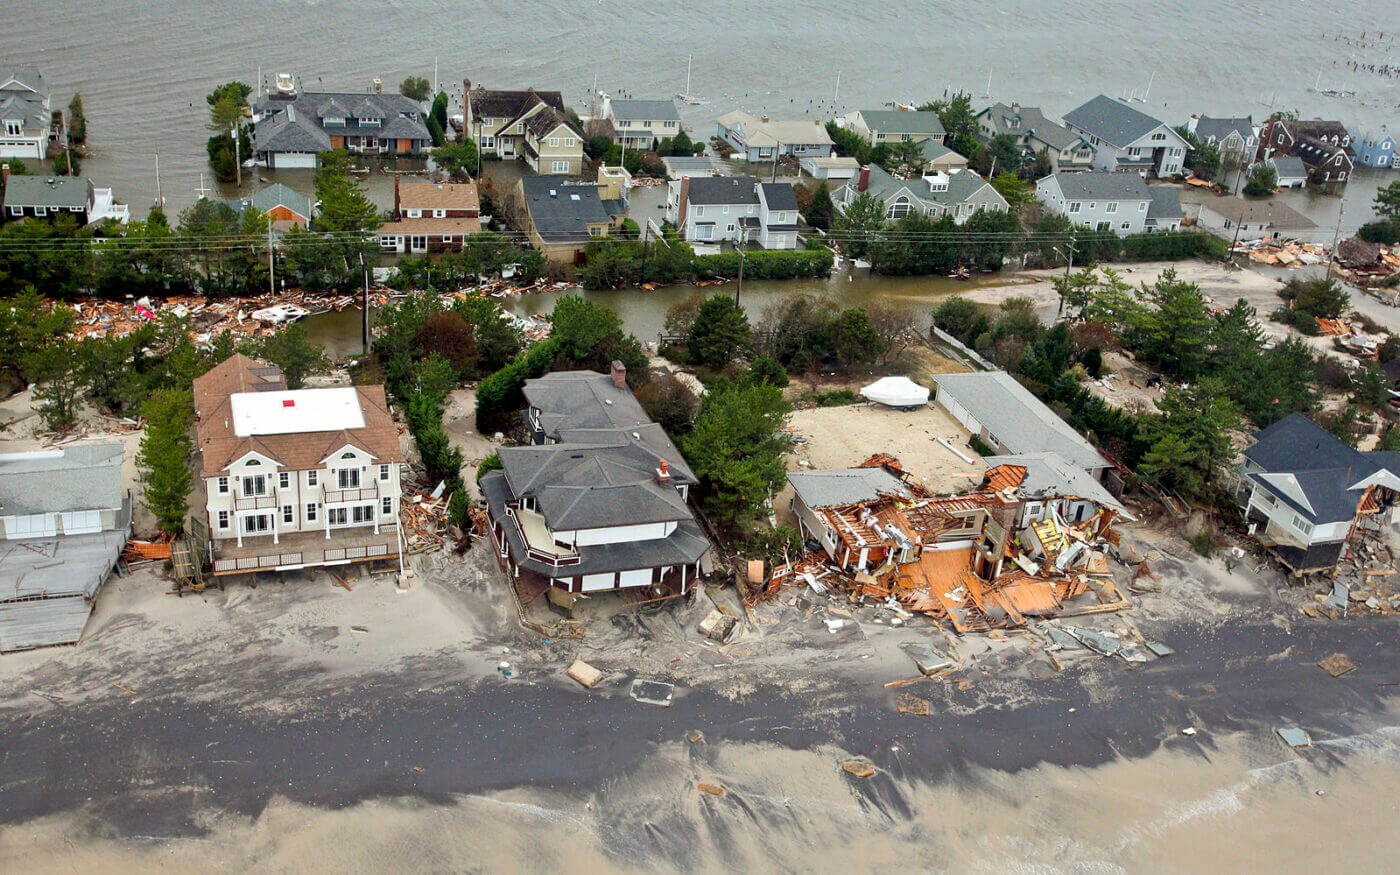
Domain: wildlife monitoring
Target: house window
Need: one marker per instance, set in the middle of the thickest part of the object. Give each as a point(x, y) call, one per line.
point(559, 167)
point(223, 519)
point(362, 513)
point(348, 478)
point(311, 478)
point(387, 242)
point(1341, 176)
point(311, 512)
point(1338, 162)
point(1111, 207)
point(731, 228)
point(388, 505)
point(284, 480)
point(1074, 206)
point(488, 141)
point(1125, 226)
point(255, 485)
point(335, 516)
point(1302, 525)
point(383, 472)
point(554, 142)
point(223, 486)
point(1103, 226)
point(900, 208)
point(439, 214)
point(415, 214)
point(257, 524)
point(14, 128)
point(1159, 136)
point(16, 211)
point(1142, 207)
point(699, 211)
point(568, 142)
point(705, 232)
point(41, 211)
point(288, 514)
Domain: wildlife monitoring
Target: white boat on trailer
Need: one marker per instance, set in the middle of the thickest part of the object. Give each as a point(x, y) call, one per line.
point(900, 392)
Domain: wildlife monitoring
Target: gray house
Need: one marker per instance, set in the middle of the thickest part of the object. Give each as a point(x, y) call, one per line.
point(959, 194)
point(1236, 138)
point(25, 117)
point(290, 129)
point(1103, 201)
point(65, 522)
point(734, 209)
point(894, 126)
point(1125, 138)
point(765, 140)
point(638, 124)
point(1037, 135)
point(47, 197)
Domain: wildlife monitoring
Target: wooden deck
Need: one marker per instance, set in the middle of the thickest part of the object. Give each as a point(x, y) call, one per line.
point(303, 549)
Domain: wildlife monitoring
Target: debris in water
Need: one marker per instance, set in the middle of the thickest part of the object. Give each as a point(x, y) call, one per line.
point(858, 769)
point(584, 673)
point(653, 692)
point(712, 789)
point(1294, 737)
point(1337, 665)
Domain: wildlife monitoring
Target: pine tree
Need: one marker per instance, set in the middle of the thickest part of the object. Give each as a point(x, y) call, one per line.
point(163, 458)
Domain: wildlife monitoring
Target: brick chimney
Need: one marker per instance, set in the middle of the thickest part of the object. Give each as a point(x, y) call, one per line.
point(864, 178)
point(397, 213)
point(684, 206)
point(4, 174)
point(663, 473)
point(619, 374)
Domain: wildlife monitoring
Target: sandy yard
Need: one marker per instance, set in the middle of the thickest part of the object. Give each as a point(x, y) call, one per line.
point(459, 420)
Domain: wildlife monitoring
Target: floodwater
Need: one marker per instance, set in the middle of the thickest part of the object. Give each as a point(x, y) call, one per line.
point(144, 67)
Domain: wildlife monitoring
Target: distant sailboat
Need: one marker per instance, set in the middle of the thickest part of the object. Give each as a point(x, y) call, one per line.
point(686, 96)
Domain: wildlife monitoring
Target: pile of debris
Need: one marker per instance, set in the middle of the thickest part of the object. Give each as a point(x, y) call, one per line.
point(1365, 578)
point(1286, 253)
point(989, 559)
point(1364, 263)
point(424, 519)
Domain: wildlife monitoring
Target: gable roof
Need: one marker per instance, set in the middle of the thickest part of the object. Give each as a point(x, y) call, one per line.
point(778, 195)
point(844, 486)
point(279, 195)
point(962, 185)
point(295, 125)
point(723, 190)
point(48, 191)
point(933, 150)
point(1288, 166)
point(1103, 185)
point(561, 213)
point(1016, 418)
point(894, 121)
point(1112, 121)
point(290, 131)
point(1313, 472)
point(644, 110)
point(1220, 128)
point(439, 196)
point(237, 373)
point(546, 121)
point(1166, 202)
point(489, 103)
point(18, 77)
point(1032, 122)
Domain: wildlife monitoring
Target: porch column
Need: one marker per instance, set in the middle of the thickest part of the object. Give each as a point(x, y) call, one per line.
point(275, 514)
point(683, 567)
point(238, 527)
point(327, 511)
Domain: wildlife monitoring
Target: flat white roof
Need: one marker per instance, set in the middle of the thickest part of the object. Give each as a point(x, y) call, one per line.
point(296, 410)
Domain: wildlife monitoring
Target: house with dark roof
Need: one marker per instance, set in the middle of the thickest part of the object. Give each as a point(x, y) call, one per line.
point(1303, 491)
point(431, 216)
point(1325, 148)
point(597, 502)
point(1236, 138)
point(895, 126)
point(286, 207)
point(1289, 171)
point(525, 124)
point(48, 197)
point(560, 216)
point(1248, 218)
point(641, 124)
point(291, 128)
point(959, 194)
point(26, 121)
point(734, 209)
point(1126, 138)
point(1101, 200)
point(1037, 135)
point(295, 478)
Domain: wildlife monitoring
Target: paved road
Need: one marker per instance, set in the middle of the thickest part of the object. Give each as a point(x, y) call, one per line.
point(148, 765)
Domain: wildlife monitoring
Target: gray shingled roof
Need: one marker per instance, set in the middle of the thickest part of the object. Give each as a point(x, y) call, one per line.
point(1016, 418)
point(489, 103)
point(645, 110)
point(893, 121)
point(1220, 128)
point(1312, 471)
point(79, 477)
point(1103, 185)
point(296, 125)
point(290, 131)
point(844, 486)
point(933, 150)
point(1111, 120)
point(24, 76)
point(1032, 121)
point(779, 195)
point(1166, 203)
point(582, 399)
point(723, 190)
point(279, 195)
point(1286, 166)
point(583, 486)
point(565, 215)
point(48, 191)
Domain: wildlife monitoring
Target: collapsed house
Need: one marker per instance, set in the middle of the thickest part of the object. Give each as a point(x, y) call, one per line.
point(1022, 545)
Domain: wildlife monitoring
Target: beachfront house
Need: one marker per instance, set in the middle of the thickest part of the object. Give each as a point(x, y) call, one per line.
point(1236, 138)
point(286, 207)
point(959, 194)
point(1100, 200)
point(1325, 148)
point(895, 126)
point(763, 140)
point(938, 158)
point(26, 120)
point(525, 124)
point(48, 197)
point(641, 124)
point(291, 128)
point(1036, 134)
point(1125, 138)
point(65, 519)
point(560, 217)
point(734, 209)
point(1376, 149)
point(295, 478)
point(1248, 219)
point(431, 216)
point(1303, 492)
point(597, 502)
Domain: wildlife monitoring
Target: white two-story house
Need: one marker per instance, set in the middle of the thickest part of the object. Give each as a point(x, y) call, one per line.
point(25, 116)
point(736, 209)
point(1100, 200)
point(1125, 138)
point(640, 124)
point(295, 478)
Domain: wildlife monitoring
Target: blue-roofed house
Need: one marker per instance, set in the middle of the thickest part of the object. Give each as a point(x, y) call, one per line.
point(1376, 149)
point(1126, 138)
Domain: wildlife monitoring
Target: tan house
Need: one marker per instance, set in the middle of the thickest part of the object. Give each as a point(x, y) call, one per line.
point(295, 478)
point(524, 124)
point(640, 124)
point(560, 218)
point(431, 216)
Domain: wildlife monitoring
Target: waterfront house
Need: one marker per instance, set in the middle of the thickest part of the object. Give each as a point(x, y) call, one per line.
point(734, 209)
point(938, 158)
point(1165, 212)
point(47, 197)
point(1303, 492)
point(764, 140)
point(894, 126)
point(1325, 148)
point(959, 194)
point(597, 502)
point(1126, 138)
point(26, 120)
point(560, 217)
point(291, 128)
point(525, 124)
point(1036, 134)
point(1376, 149)
point(678, 166)
point(286, 207)
point(1236, 138)
point(641, 124)
point(1100, 200)
point(1248, 218)
point(295, 478)
point(65, 520)
point(431, 216)
point(1289, 171)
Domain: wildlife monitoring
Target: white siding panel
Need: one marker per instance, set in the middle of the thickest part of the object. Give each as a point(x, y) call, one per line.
point(638, 577)
point(595, 582)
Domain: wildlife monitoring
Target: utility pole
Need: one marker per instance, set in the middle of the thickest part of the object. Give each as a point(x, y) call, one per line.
point(1332, 258)
point(160, 201)
point(271, 284)
point(740, 287)
point(646, 233)
point(237, 156)
point(777, 155)
point(364, 304)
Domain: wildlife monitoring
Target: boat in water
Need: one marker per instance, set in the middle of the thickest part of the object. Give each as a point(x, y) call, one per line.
point(685, 96)
point(281, 314)
point(900, 392)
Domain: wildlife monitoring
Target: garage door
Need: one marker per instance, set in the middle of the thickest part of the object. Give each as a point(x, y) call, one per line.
point(640, 577)
point(595, 582)
point(295, 159)
point(82, 522)
point(31, 525)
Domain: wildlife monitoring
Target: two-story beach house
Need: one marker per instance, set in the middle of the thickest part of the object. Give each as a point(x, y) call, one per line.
point(1037, 135)
point(640, 124)
point(959, 194)
point(1376, 149)
point(291, 128)
point(763, 140)
point(560, 216)
point(1324, 147)
point(26, 119)
point(1105, 201)
point(295, 478)
point(895, 126)
point(48, 197)
point(431, 216)
point(734, 209)
point(598, 502)
point(1236, 138)
point(1126, 138)
point(525, 124)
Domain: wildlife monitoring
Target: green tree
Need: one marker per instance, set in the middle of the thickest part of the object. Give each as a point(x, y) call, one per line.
point(27, 326)
point(58, 377)
point(435, 132)
point(163, 457)
point(456, 159)
point(295, 353)
point(766, 369)
point(66, 164)
point(1017, 191)
point(820, 210)
point(1176, 328)
point(1007, 153)
point(854, 338)
point(959, 317)
point(77, 120)
point(908, 155)
point(416, 88)
point(1321, 298)
point(1387, 202)
point(1190, 441)
point(591, 337)
point(719, 334)
point(669, 403)
point(955, 113)
point(1262, 181)
point(345, 207)
point(439, 111)
point(857, 223)
point(736, 448)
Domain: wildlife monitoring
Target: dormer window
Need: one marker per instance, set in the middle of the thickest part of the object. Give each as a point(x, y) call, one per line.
point(369, 122)
point(333, 120)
